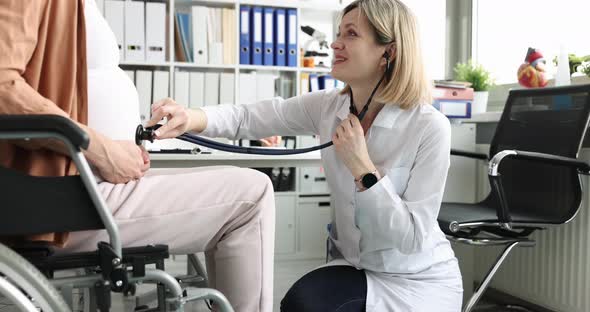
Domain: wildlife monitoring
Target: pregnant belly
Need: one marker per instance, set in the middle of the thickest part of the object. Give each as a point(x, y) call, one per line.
point(113, 103)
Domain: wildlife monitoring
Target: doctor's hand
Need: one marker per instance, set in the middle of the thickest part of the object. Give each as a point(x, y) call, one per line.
point(180, 119)
point(351, 147)
point(271, 141)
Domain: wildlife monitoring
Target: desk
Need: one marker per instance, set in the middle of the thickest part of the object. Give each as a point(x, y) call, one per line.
point(230, 159)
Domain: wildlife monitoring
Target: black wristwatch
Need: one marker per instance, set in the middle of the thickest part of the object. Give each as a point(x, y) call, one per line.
point(367, 180)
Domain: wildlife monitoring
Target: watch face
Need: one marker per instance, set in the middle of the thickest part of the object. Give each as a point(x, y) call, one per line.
point(369, 180)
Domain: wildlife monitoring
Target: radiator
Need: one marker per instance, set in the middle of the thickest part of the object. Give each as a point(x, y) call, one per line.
point(555, 273)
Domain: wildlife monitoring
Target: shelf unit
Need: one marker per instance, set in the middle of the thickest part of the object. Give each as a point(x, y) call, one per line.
point(297, 223)
point(327, 8)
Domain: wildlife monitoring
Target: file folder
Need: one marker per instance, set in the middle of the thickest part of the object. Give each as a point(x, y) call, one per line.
point(100, 6)
point(280, 58)
point(197, 89)
point(155, 32)
point(131, 74)
point(134, 31)
point(247, 88)
point(161, 81)
point(245, 35)
point(304, 83)
point(228, 36)
point(143, 82)
point(211, 89)
point(185, 33)
point(181, 82)
point(292, 37)
point(454, 108)
point(256, 36)
point(326, 82)
point(265, 86)
point(200, 41)
point(226, 88)
point(268, 38)
point(214, 36)
point(114, 13)
point(313, 83)
point(452, 93)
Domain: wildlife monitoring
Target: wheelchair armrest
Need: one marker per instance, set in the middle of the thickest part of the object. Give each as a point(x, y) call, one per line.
point(64, 129)
point(17, 126)
point(455, 152)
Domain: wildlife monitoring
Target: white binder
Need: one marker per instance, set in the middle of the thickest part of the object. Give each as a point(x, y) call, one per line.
point(197, 92)
point(265, 86)
point(155, 32)
point(131, 75)
point(226, 88)
point(114, 13)
point(211, 89)
point(200, 20)
point(161, 81)
point(214, 36)
point(100, 5)
point(143, 82)
point(181, 95)
point(247, 84)
point(134, 31)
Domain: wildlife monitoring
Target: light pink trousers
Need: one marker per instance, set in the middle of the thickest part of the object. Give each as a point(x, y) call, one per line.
point(227, 212)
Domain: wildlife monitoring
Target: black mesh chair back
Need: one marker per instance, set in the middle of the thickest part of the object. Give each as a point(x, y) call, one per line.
point(552, 121)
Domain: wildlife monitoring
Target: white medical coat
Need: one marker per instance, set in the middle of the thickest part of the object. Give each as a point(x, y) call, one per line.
point(389, 230)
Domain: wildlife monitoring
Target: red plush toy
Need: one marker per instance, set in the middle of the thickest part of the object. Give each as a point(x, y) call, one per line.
point(532, 73)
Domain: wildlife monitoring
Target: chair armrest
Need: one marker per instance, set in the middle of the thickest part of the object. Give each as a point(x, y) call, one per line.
point(64, 129)
point(18, 126)
point(496, 179)
point(455, 152)
point(581, 166)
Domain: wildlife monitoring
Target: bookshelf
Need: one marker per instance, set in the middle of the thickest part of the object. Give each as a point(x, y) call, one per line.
point(318, 9)
point(303, 212)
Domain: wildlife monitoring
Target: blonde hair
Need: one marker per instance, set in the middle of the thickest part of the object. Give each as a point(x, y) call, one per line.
point(393, 22)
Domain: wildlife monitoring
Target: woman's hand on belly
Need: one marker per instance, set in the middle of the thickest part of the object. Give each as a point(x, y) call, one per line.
point(122, 162)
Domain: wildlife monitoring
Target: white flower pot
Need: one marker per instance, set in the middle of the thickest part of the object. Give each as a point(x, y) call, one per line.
point(480, 102)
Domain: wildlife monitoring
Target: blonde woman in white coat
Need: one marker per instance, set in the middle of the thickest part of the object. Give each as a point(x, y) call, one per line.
point(386, 171)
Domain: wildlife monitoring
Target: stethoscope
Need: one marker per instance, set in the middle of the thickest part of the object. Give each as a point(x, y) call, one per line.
point(142, 133)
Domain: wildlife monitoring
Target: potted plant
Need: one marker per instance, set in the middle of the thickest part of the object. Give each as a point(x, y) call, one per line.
point(585, 68)
point(481, 82)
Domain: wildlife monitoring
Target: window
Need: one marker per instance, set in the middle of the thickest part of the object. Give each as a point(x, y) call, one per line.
point(431, 16)
point(503, 30)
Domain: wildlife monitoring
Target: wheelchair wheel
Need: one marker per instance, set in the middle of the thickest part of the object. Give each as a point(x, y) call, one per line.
point(24, 288)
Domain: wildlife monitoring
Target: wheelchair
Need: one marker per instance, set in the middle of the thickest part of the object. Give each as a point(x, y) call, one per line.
point(33, 277)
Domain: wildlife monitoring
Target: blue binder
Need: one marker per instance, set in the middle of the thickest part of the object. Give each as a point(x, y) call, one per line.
point(280, 32)
point(292, 37)
point(245, 35)
point(256, 36)
point(268, 37)
point(184, 20)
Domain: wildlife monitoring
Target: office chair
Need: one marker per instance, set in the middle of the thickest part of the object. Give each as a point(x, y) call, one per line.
point(69, 204)
point(533, 172)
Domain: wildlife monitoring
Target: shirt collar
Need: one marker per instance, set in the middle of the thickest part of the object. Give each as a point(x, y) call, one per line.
point(385, 119)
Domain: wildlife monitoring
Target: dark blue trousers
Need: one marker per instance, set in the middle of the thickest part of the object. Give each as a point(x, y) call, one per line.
point(328, 289)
